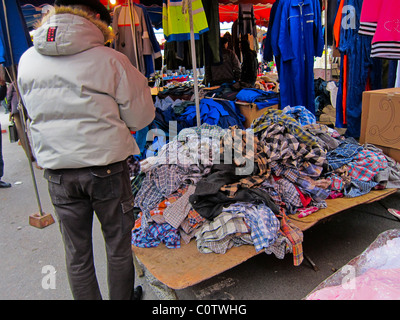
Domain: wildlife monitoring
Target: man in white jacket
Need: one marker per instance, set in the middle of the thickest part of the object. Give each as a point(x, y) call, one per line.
point(83, 99)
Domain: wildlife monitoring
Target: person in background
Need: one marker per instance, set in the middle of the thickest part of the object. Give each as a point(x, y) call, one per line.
point(3, 91)
point(12, 106)
point(83, 100)
point(227, 71)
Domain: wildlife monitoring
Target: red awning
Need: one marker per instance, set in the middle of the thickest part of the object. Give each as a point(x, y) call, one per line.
point(229, 13)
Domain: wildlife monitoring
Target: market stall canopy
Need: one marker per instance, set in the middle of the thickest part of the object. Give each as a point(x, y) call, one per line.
point(228, 9)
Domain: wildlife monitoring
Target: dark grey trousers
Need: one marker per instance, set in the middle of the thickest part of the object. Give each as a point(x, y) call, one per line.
point(107, 191)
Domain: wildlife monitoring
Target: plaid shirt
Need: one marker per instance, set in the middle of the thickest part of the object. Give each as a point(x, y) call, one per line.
point(263, 223)
point(366, 164)
point(283, 146)
point(248, 151)
point(159, 183)
point(280, 247)
point(224, 232)
point(295, 236)
point(343, 154)
point(276, 116)
point(177, 212)
point(301, 114)
point(155, 234)
point(189, 226)
point(358, 188)
point(328, 138)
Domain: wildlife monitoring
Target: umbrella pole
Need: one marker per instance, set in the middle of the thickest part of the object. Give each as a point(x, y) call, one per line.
point(39, 220)
point(194, 63)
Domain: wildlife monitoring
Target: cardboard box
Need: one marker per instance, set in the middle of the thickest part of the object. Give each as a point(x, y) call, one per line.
point(380, 120)
point(251, 112)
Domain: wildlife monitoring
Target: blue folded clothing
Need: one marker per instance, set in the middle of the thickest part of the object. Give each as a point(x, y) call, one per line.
point(260, 97)
point(221, 113)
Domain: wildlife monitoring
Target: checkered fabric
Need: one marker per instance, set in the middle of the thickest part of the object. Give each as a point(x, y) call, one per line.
point(343, 154)
point(155, 234)
point(224, 232)
point(294, 127)
point(280, 247)
point(263, 223)
point(300, 114)
point(295, 236)
point(159, 183)
point(177, 212)
point(366, 164)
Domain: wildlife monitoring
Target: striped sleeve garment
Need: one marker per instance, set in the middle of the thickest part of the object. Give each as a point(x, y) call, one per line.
point(369, 17)
point(386, 41)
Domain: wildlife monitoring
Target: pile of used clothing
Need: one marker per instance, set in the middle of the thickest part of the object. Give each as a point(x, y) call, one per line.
point(230, 187)
point(222, 113)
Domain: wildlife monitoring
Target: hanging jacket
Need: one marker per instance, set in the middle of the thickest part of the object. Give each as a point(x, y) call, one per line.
point(246, 19)
point(249, 68)
point(267, 49)
point(227, 71)
point(296, 39)
point(135, 49)
point(176, 24)
point(82, 97)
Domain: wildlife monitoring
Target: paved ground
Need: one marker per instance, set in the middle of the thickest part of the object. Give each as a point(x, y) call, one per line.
point(25, 251)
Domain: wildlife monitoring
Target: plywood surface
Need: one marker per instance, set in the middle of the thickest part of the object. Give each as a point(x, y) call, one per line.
point(186, 266)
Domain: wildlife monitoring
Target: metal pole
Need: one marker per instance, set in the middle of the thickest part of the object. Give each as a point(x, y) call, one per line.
point(326, 40)
point(133, 31)
point(20, 110)
point(194, 63)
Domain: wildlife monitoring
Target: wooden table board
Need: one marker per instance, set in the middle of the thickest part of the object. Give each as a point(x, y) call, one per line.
point(186, 266)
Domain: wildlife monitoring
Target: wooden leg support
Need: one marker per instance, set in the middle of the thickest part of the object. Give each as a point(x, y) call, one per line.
point(138, 266)
point(313, 265)
point(162, 291)
point(392, 217)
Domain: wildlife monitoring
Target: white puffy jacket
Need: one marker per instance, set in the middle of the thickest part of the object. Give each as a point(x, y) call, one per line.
point(82, 97)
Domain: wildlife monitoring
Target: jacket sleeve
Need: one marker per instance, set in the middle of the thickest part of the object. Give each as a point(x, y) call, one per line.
point(318, 33)
point(280, 37)
point(134, 99)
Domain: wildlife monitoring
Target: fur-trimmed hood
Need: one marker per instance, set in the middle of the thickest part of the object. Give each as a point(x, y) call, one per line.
point(65, 31)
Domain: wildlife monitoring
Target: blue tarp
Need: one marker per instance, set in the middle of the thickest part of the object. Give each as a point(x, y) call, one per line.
point(20, 38)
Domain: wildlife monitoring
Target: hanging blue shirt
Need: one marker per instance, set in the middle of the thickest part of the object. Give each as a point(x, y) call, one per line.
point(297, 38)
